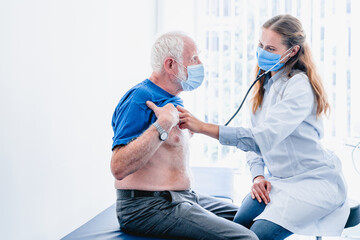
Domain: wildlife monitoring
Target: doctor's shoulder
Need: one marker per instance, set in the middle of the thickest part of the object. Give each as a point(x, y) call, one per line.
point(300, 81)
point(298, 85)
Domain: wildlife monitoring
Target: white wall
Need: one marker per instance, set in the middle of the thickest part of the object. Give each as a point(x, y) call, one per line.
point(63, 67)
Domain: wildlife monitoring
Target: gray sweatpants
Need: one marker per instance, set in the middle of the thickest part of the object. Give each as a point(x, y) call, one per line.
point(180, 215)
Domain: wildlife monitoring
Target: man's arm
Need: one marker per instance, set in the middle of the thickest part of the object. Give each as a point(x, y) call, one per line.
point(130, 158)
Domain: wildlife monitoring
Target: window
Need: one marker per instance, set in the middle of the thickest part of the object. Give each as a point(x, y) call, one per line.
point(228, 32)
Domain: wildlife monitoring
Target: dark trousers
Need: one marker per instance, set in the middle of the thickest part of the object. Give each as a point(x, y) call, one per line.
point(180, 215)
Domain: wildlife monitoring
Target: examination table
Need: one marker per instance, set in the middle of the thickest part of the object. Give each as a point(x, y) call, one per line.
point(217, 182)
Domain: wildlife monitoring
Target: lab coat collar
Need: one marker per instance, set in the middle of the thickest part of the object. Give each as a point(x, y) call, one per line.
point(270, 81)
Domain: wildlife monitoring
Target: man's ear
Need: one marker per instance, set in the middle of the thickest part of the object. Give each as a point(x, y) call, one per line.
point(169, 65)
point(294, 50)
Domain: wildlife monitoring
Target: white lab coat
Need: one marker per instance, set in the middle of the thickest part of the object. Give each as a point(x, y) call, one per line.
point(309, 194)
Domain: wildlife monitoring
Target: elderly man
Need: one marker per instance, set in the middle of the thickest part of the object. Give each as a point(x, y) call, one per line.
point(150, 154)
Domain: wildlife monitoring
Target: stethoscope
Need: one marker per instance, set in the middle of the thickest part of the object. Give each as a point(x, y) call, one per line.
point(252, 85)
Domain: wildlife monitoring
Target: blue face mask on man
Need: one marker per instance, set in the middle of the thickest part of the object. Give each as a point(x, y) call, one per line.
point(270, 61)
point(195, 77)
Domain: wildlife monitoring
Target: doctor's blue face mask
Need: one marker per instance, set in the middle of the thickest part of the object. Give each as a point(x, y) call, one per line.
point(194, 79)
point(270, 61)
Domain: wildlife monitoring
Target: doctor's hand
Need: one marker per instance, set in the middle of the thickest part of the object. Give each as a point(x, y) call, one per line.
point(261, 189)
point(187, 120)
point(167, 116)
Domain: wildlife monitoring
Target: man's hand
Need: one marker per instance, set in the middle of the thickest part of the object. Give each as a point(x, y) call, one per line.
point(167, 116)
point(261, 189)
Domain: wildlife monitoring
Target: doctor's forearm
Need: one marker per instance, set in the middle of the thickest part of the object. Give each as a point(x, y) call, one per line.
point(211, 130)
point(240, 137)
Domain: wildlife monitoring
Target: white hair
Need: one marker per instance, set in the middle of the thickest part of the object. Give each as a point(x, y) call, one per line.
point(170, 44)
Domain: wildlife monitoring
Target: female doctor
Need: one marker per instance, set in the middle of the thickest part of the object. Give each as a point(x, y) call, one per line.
point(305, 192)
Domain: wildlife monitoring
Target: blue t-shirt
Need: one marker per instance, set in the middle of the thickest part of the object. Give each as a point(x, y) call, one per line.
point(132, 117)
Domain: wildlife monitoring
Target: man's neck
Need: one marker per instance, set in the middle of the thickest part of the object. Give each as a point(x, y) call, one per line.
point(165, 83)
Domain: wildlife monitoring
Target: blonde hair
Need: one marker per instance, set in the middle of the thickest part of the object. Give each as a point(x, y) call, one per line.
point(292, 33)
